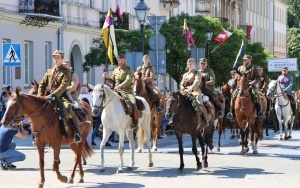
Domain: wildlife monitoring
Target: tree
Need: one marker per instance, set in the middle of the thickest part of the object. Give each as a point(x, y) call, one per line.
point(293, 13)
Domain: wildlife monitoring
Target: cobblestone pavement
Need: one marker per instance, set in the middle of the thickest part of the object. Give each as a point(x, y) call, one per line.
point(276, 165)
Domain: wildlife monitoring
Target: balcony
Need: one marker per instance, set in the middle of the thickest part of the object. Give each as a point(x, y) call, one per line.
point(39, 7)
point(202, 6)
point(118, 24)
point(169, 4)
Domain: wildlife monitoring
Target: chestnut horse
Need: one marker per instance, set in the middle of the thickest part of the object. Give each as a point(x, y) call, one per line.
point(246, 115)
point(180, 111)
point(45, 126)
point(156, 119)
point(234, 128)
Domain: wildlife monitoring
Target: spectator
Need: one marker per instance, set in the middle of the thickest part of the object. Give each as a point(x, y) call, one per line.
point(84, 93)
point(1, 111)
point(4, 97)
point(8, 154)
point(164, 124)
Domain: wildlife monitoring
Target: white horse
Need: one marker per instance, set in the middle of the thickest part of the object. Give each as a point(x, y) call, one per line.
point(115, 119)
point(283, 108)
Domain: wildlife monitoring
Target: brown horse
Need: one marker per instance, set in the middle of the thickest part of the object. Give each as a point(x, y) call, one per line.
point(246, 116)
point(156, 118)
point(234, 128)
point(45, 126)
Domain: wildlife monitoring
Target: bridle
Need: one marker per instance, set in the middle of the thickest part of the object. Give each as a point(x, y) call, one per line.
point(102, 106)
point(173, 113)
point(277, 95)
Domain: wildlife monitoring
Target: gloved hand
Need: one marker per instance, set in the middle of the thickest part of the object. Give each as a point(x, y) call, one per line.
point(50, 97)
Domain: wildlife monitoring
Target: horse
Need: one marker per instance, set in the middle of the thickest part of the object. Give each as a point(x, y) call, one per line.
point(180, 111)
point(45, 126)
point(283, 109)
point(115, 119)
point(140, 90)
point(246, 116)
point(297, 117)
point(234, 128)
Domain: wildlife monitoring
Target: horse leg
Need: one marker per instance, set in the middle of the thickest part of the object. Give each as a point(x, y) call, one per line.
point(140, 139)
point(220, 131)
point(131, 146)
point(247, 132)
point(76, 149)
point(194, 149)
point(105, 137)
point(146, 136)
point(121, 151)
point(41, 148)
point(56, 152)
point(286, 124)
point(180, 146)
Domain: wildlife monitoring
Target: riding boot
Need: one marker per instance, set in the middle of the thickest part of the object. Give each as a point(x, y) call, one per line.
point(294, 108)
point(218, 106)
point(202, 120)
point(231, 112)
point(77, 135)
point(260, 114)
point(135, 119)
point(158, 108)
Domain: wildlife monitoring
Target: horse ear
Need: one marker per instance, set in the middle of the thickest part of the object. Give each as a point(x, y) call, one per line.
point(35, 82)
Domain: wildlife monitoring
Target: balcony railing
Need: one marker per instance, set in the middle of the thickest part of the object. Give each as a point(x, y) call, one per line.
point(118, 24)
point(169, 4)
point(202, 6)
point(39, 7)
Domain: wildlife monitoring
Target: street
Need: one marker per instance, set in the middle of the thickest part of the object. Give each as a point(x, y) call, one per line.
point(276, 165)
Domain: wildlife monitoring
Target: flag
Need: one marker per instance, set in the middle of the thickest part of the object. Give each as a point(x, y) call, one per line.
point(223, 36)
point(241, 51)
point(119, 10)
point(109, 38)
point(188, 35)
point(250, 30)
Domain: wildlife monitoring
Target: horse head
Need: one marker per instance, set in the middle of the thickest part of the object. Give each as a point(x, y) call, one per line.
point(138, 86)
point(271, 89)
point(243, 84)
point(225, 89)
point(13, 116)
point(98, 99)
point(34, 88)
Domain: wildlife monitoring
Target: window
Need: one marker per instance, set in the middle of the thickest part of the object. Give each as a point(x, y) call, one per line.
point(28, 59)
point(48, 63)
point(5, 72)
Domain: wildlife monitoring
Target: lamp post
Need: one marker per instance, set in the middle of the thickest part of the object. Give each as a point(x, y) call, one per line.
point(142, 11)
point(208, 35)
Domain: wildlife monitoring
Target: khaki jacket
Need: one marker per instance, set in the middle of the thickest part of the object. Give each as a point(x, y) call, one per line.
point(56, 84)
point(252, 73)
point(147, 74)
point(262, 85)
point(191, 79)
point(209, 77)
point(123, 77)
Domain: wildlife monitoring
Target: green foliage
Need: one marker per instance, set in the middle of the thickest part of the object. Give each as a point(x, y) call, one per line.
point(293, 13)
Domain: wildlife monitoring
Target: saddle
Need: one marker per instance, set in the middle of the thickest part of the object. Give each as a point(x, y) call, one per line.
point(128, 106)
point(220, 96)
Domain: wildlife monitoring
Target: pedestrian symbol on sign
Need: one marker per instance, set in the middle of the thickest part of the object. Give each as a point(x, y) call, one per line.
point(11, 54)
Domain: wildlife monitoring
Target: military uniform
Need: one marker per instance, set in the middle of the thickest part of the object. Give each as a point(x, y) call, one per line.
point(73, 86)
point(263, 83)
point(147, 75)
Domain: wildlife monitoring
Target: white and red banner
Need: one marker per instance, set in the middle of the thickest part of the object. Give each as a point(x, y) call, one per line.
point(223, 36)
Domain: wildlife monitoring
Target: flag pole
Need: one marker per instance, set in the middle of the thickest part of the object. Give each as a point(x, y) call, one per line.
point(217, 46)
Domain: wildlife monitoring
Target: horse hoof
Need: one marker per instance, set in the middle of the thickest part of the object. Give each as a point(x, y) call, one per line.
point(232, 137)
point(279, 139)
point(199, 167)
point(129, 168)
point(242, 152)
point(267, 134)
point(119, 171)
point(179, 171)
point(255, 152)
point(286, 137)
point(65, 179)
point(40, 185)
point(84, 162)
point(289, 137)
point(218, 149)
point(205, 165)
point(81, 181)
point(139, 151)
point(150, 164)
point(71, 181)
point(101, 170)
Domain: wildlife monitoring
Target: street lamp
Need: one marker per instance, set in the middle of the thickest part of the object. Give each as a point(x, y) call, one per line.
point(208, 35)
point(142, 11)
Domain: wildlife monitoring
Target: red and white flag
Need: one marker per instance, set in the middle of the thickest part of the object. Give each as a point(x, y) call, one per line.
point(119, 10)
point(250, 30)
point(223, 36)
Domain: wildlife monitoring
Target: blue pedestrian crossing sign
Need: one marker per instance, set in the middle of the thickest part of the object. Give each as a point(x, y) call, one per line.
point(11, 54)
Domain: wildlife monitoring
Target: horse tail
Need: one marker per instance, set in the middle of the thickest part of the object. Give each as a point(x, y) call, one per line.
point(87, 151)
point(141, 136)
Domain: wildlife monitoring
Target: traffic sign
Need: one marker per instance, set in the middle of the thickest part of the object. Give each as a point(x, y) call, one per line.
point(161, 42)
point(158, 61)
point(11, 55)
point(134, 59)
point(156, 22)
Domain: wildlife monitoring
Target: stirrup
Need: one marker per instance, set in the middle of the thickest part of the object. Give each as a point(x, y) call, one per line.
point(230, 116)
point(134, 126)
point(220, 114)
point(77, 138)
point(260, 115)
point(159, 110)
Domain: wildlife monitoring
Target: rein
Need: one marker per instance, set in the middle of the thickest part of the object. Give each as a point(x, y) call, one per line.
point(177, 109)
point(101, 107)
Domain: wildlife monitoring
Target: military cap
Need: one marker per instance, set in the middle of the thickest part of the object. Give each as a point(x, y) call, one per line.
point(66, 62)
point(58, 52)
point(260, 67)
point(233, 71)
point(286, 68)
point(203, 60)
point(247, 57)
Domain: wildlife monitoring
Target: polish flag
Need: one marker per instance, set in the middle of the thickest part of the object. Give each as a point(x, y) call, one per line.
point(223, 36)
point(250, 30)
point(119, 10)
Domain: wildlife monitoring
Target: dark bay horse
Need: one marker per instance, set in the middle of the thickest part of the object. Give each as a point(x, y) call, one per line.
point(246, 115)
point(156, 119)
point(181, 112)
point(45, 126)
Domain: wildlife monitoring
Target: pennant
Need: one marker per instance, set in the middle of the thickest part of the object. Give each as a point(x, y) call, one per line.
point(188, 35)
point(250, 30)
point(109, 38)
point(241, 51)
point(223, 36)
point(119, 10)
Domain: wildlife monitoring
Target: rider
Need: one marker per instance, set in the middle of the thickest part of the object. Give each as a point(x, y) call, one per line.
point(147, 75)
point(209, 77)
point(262, 85)
point(121, 78)
point(72, 88)
point(253, 78)
point(232, 80)
point(190, 84)
point(286, 83)
point(56, 80)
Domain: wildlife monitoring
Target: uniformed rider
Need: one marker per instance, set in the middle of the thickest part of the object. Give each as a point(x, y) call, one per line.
point(189, 85)
point(121, 79)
